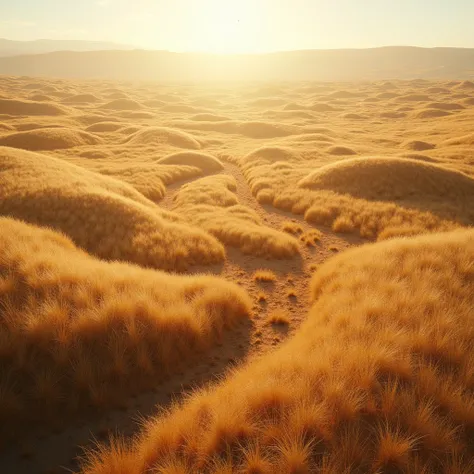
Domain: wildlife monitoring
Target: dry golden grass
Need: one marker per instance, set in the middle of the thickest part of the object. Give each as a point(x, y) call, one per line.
point(292, 228)
point(75, 330)
point(371, 219)
point(105, 216)
point(155, 136)
point(211, 204)
point(207, 163)
point(266, 276)
point(392, 179)
point(29, 107)
point(378, 379)
point(149, 179)
point(376, 197)
point(262, 297)
point(49, 139)
point(311, 237)
point(278, 317)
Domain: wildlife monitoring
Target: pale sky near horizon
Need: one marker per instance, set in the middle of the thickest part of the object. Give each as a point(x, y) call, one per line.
point(243, 25)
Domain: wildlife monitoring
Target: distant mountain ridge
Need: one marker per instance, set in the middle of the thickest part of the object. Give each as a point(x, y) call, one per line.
point(41, 46)
point(393, 62)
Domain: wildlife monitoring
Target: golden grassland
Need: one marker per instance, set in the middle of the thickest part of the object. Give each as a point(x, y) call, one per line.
point(378, 379)
point(103, 215)
point(125, 180)
point(211, 204)
point(76, 330)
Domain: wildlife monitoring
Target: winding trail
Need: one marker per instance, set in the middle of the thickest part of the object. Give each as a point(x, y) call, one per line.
point(58, 451)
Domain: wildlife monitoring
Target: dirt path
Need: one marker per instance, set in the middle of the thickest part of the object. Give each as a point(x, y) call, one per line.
point(57, 452)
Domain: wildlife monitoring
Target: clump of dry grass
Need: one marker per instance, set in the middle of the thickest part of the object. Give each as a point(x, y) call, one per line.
point(291, 294)
point(105, 216)
point(211, 204)
point(278, 317)
point(266, 276)
point(292, 228)
point(262, 297)
point(311, 237)
point(75, 330)
point(378, 379)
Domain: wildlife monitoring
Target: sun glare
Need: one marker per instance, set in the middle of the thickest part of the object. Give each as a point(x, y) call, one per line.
point(227, 27)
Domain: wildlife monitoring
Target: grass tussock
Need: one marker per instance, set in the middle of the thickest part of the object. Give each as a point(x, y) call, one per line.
point(311, 237)
point(105, 216)
point(265, 276)
point(378, 379)
point(278, 317)
point(77, 331)
point(211, 204)
point(292, 228)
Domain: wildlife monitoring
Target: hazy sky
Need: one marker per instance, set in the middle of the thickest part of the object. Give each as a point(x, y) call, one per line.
point(243, 25)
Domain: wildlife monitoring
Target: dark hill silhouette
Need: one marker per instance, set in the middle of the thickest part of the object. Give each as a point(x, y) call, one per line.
point(345, 64)
point(15, 48)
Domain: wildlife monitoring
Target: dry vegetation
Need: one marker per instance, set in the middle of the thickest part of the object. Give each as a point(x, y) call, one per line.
point(105, 216)
point(150, 177)
point(278, 317)
point(379, 379)
point(211, 204)
point(265, 276)
point(76, 331)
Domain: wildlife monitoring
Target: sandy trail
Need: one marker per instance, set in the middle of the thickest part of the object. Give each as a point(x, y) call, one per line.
point(58, 451)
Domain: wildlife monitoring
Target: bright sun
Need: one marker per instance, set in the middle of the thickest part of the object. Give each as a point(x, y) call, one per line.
point(224, 26)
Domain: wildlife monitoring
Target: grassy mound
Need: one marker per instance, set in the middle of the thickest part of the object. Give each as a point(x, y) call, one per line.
point(205, 162)
point(163, 136)
point(150, 179)
point(28, 107)
point(81, 99)
point(270, 154)
point(466, 140)
point(4, 127)
point(465, 86)
point(390, 179)
point(251, 129)
point(180, 108)
point(430, 113)
point(372, 382)
point(105, 216)
point(208, 118)
point(122, 104)
point(49, 139)
point(101, 127)
point(380, 199)
point(40, 98)
point(445, 106)
point(321, 107)
point(339, 150)
point(418, 145)
point(413, 98)
point(63, 311)
point(211, 204)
